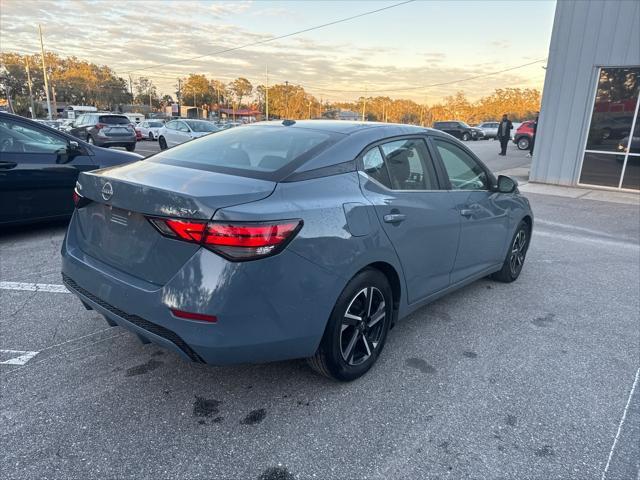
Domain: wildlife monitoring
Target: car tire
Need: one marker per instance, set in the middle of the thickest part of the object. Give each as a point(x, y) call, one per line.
point(465, 137)
point(357, 329)
point(516, 255)
point(523, 143)
point(163, 143)
point(151, 136)
point(131, 147)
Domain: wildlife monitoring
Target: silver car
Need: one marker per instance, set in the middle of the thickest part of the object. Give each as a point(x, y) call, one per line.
point(490, 129)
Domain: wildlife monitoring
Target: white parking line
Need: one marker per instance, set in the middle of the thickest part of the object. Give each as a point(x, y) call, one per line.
point(624, 416)
point(588, 240)
point(579, 229)
point(19, 357)
point(34, 287)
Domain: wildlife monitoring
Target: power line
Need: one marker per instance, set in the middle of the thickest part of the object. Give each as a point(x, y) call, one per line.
point(272, 39)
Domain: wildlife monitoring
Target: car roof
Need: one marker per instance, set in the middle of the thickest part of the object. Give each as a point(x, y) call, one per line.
point(344, 127)
point(357, 136)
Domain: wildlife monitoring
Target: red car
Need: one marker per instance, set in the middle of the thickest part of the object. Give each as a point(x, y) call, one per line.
point(138, 133)
point(524, 134)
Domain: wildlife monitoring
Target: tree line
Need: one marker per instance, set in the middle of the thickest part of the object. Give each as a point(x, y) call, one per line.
point(77, 81)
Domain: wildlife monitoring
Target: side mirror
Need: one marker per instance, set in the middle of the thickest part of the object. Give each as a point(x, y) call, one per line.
point(65, 155)
point(506, 184)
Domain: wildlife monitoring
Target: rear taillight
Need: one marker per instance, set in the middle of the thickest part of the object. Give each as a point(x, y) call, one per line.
point(235, 241)
point(78, 200)
point(98, 126)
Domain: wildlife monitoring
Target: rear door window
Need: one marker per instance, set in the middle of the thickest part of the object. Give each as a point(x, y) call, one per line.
point(374, 166)
point(409, 165)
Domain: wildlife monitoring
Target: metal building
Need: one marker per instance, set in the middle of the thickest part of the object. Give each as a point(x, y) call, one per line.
point(591, 97)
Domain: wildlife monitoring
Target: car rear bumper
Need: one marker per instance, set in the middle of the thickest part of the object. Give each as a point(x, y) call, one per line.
point(114, 141)
point(267, 310)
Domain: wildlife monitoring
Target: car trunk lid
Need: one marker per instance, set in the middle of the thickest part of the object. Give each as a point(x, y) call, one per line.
point(114, 226)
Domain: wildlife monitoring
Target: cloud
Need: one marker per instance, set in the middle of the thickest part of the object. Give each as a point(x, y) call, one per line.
point(133, 37)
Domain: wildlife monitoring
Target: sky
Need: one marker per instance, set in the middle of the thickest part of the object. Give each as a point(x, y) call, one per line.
point(416, 44)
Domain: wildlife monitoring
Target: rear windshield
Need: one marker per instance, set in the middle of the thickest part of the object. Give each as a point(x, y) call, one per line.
point(155, 124)
point(265, 152)
point(202, 126)
point(114, 120)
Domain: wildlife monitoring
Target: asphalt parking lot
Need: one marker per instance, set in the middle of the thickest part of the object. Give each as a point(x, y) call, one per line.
point(531, 380)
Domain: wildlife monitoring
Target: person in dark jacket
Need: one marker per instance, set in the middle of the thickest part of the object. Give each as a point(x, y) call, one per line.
point(504, 133)
point(534, 127)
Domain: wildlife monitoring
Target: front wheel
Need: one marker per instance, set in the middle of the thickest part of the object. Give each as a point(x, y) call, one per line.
point(465, 137)
point(163, 143)
point(357, 329)
point(514, 262)
point(151, 136)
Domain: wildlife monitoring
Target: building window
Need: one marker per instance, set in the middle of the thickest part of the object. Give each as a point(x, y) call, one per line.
point(612, 154)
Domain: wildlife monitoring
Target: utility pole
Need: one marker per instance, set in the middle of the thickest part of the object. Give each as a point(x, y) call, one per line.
point(179, 96)
point(266, 92)
point(309, 109)
point(131, 88)
point(44, 73)
point(286, 99)
point(53, 98)
point(29, 83)
point(364, 104)
point(384, 111)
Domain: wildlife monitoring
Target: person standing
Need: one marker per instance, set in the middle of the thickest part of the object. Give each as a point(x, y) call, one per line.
point(534, 127)
point(504, 133)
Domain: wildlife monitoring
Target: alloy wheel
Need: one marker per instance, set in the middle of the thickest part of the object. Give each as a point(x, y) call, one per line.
point(362, 326)
point(518, 251)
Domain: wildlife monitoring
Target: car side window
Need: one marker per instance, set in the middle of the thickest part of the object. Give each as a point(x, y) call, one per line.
point(18, 138)
point(183, 127)
point(409, 165)
point(463, 171)
point(374, 166)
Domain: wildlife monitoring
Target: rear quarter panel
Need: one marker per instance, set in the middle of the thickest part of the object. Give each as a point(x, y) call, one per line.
point(327, 239)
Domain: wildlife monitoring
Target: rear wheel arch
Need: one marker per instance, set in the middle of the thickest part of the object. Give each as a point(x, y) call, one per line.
point(393, 278)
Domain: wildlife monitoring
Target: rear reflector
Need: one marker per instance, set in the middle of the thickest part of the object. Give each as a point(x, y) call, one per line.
point(233, 240)
point(194, 316)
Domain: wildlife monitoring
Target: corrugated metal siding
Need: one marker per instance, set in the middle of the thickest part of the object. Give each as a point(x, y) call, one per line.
point(585, 35)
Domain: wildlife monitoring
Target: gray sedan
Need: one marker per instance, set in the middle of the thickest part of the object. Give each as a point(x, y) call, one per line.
point(285, 240)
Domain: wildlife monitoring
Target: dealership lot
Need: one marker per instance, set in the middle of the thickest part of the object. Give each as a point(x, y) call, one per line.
point(526, 380)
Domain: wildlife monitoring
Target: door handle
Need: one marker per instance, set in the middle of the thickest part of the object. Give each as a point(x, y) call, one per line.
point(394, 217)
point(466, 212)
point(8, 165)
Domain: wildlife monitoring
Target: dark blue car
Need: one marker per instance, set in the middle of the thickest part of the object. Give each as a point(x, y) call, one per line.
point(39, 167)
point(286, 240)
